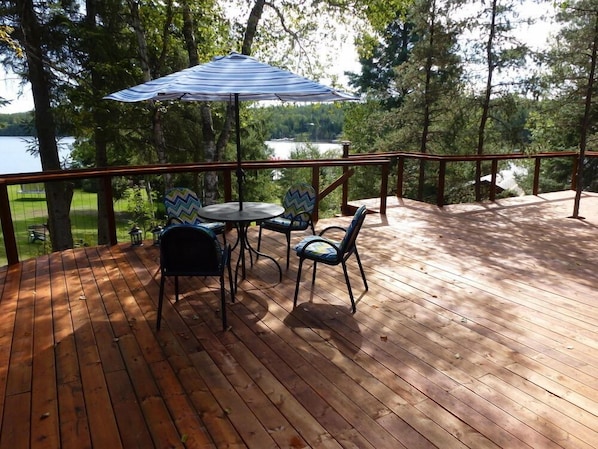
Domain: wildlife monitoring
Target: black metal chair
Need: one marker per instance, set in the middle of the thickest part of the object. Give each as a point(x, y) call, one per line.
point(332, 252)
point(192, 250)
point(299, 203)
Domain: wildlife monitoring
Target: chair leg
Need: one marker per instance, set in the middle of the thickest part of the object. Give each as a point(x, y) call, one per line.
point(223, 302)
point(288, 234)
point(176, 289)
point(365, 283)
point(160, 300)
point(259, 243)
point(353, 309)
point(231, 283)
point(298, 280)
point(313, 276)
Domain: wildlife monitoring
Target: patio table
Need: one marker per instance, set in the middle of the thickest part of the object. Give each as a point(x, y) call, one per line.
point(242, 219)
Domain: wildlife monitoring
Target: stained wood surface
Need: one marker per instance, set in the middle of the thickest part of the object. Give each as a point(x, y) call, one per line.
point(479, 330)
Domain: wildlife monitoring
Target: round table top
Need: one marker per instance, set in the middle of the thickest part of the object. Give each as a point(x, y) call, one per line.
point(229, 212)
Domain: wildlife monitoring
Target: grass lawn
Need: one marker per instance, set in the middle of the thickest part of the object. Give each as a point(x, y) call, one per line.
point(30, 210)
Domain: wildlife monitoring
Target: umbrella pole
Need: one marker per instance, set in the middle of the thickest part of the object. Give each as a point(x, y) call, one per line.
point(240, 174)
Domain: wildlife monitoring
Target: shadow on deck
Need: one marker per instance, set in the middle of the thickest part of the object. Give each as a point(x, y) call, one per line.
point(479, 330)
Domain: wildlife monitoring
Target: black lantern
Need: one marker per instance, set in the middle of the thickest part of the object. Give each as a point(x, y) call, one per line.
point(156, 234)
point(136, 236)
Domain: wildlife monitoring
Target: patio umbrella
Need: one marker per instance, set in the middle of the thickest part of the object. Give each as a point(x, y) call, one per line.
point(234, 77)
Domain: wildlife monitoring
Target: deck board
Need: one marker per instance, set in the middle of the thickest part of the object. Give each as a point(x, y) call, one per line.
point(479, 330)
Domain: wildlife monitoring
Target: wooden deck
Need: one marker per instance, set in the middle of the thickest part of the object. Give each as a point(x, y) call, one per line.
point(479, 330)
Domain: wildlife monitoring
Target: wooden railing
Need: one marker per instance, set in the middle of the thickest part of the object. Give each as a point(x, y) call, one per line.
point(493, 159)
point(226, 170)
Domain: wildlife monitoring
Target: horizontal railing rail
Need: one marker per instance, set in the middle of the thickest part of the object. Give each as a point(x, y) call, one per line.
point(226, 169)
point(444, 160)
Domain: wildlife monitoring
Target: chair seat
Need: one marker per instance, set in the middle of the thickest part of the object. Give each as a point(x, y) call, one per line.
point(283, 224)
point(319, 248)
point(214, 226)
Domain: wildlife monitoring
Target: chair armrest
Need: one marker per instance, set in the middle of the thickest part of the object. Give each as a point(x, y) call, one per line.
point(332, 228)
point(314, 241)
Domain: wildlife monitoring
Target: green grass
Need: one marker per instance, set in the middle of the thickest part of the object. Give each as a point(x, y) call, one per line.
point(31, 209)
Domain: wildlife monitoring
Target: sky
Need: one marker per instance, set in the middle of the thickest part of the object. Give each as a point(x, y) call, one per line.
point(22, 100)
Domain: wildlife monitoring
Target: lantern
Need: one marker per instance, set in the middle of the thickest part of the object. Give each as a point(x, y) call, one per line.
point(136, 236)
point(156, 234)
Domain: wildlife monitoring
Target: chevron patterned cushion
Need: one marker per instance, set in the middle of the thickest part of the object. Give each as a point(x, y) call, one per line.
point(320, 249)
point(182, 205)
point(299, 202)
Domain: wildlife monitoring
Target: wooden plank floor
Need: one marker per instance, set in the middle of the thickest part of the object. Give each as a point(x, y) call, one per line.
point(479, 330)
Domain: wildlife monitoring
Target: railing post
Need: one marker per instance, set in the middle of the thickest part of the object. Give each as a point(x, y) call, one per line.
point(536, 186)
point(384, 187)
point(400, 175)
point(441, 180)
point(345, 196)
point(109, 199)
point(421, 180)
point(8, 230)
point(493, 180)
point(315, 182)
point(228, 186)
point(478, 175)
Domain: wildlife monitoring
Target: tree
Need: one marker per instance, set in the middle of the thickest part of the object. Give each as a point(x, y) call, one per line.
point(41, 42)
point(573, 62)
point(500, 52)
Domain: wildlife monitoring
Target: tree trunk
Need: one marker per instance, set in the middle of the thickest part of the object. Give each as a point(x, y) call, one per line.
point(157, 127)
point(210, 184)
point(99, 119)
point(486, 103)
point(58, 194)
point(585, 126)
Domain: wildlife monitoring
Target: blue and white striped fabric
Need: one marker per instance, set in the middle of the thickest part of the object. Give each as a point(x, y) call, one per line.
point(228, 76)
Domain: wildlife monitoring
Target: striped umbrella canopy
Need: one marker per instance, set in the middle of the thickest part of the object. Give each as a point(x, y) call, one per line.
point(234, 77)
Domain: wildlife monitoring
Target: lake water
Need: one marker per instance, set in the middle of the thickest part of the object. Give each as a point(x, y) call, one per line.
point(282, 148)
point(15, 157)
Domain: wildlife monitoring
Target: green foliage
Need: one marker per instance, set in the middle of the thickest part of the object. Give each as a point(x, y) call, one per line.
point(312, 122)
point(140, 206)
point(19, 124)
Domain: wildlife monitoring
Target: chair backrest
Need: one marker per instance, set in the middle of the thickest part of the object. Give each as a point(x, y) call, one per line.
point(182, 204)
point(188, 250)
point(348, 242)
point(299, 202)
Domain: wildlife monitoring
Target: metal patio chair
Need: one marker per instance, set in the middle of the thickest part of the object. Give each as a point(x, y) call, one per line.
point(299, 202)
point(331, 252)
point(192, 250)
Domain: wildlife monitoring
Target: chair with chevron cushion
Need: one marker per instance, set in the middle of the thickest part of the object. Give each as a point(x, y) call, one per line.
point(299, 203)
point(332, 252)
point(182, 205)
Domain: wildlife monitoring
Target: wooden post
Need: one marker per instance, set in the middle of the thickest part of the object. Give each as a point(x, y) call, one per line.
point(107, 181)
point(493, 180)
point(400, 176)
point(345, 195)
point(228, 186)
point(10, 242)
point(536, 187)
point(384, 188)
point(315, 182)
point(441, 180)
